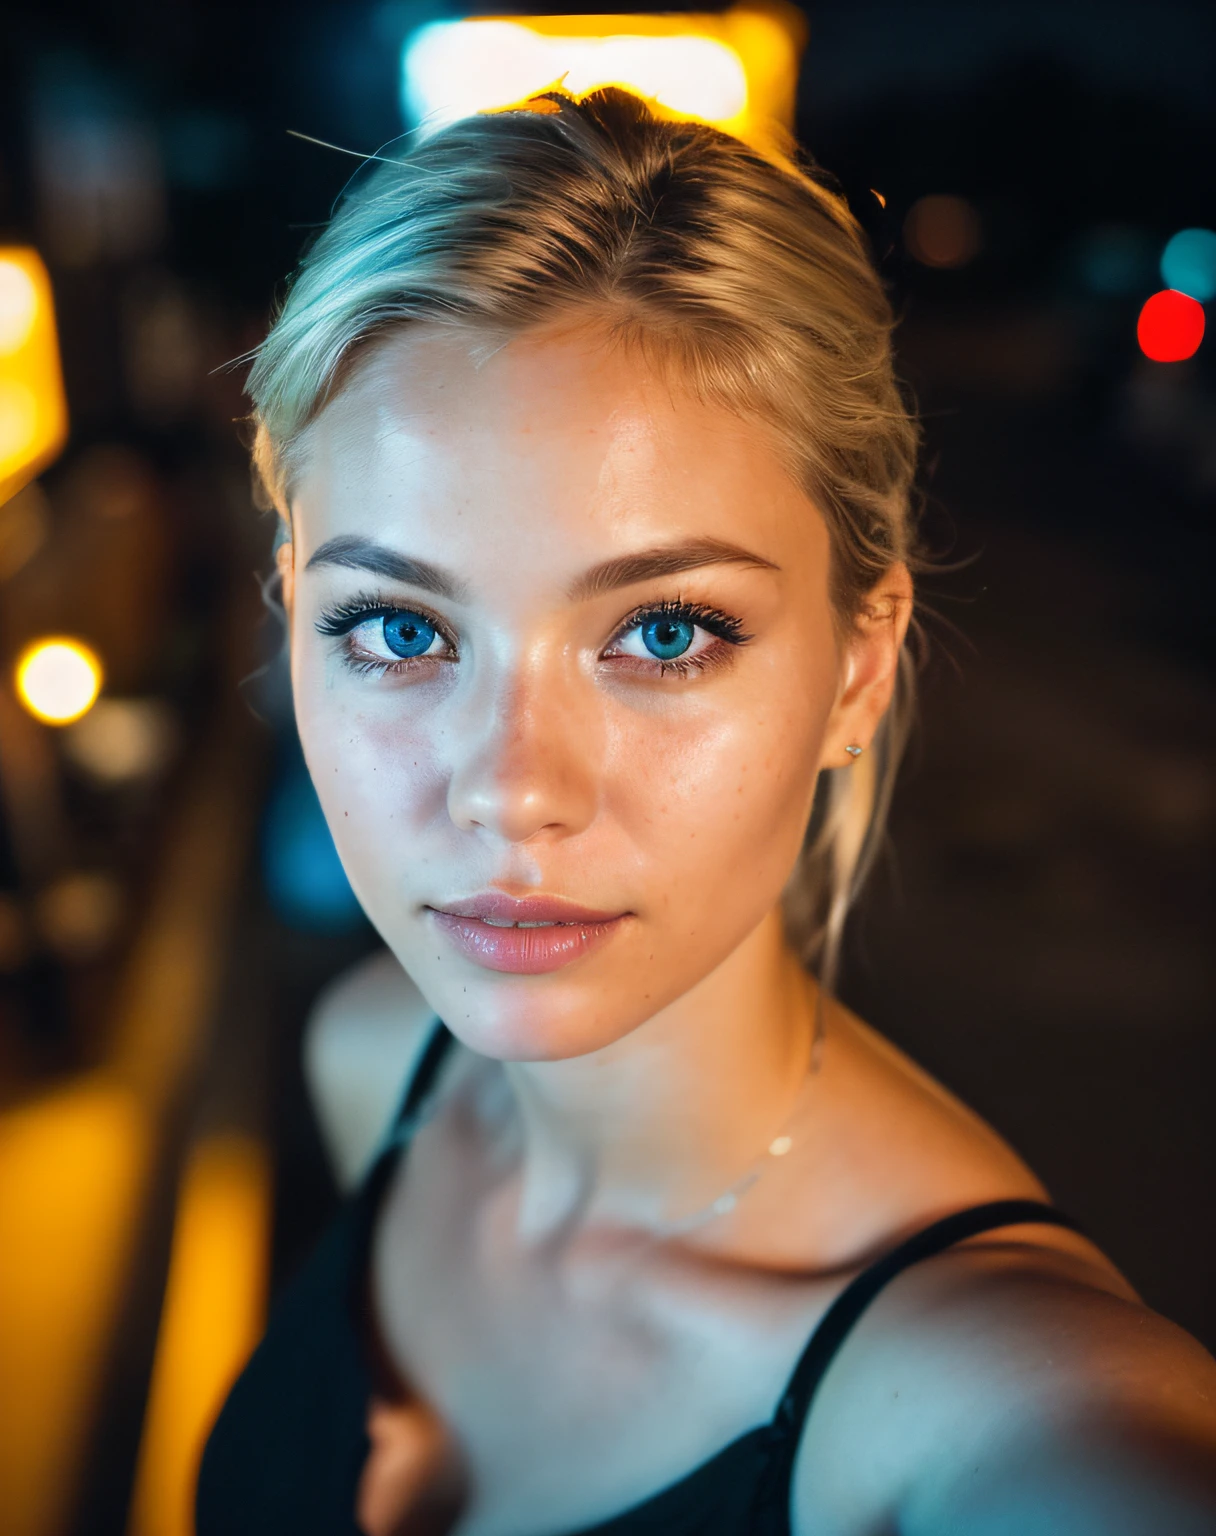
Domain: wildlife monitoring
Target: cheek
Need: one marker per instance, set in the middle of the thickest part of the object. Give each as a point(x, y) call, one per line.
point(376, 768)
point(722, 790)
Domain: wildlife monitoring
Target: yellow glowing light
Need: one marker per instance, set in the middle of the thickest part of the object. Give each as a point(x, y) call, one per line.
point(58, 680)
point(33, 412)
point(213, 1314)
point(73, 1164)
point(736, 69)
point(18, 305)
point(18, 418)
point(697, 75)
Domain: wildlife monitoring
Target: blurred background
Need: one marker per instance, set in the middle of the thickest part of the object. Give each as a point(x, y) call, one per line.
point(1036, 180)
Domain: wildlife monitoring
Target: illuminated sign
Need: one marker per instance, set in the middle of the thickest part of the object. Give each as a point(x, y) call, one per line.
point(33, 412)
point(736, 69)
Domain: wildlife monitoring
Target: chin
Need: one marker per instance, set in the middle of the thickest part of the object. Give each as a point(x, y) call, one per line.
point(532, 1018)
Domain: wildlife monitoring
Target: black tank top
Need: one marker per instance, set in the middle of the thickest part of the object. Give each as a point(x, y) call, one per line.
point(288, 1449)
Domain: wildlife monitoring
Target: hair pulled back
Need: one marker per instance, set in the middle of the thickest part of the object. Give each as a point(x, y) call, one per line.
point(737, 271)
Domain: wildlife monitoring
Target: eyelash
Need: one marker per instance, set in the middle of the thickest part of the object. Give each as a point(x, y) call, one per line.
point(339, 620)
point(726, 628)
point(344, 617)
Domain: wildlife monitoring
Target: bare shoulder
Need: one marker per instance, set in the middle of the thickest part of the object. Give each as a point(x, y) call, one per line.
point(888, 1080)
point(1012, 1383)
point(1005, 1387)
point(364, 1034)
point(902, 1148)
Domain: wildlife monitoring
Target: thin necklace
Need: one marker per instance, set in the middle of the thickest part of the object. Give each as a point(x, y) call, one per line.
point(780, 1146)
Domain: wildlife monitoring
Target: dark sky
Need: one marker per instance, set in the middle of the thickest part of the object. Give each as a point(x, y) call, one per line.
point(863, 48)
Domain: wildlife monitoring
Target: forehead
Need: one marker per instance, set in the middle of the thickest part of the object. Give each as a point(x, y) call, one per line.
point(553, 439)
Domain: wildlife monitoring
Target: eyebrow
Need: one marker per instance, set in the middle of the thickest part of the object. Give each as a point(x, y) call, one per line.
point(358, 554)
point(663, 560)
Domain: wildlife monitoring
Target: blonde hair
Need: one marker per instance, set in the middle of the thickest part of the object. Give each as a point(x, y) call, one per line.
point(738, 270)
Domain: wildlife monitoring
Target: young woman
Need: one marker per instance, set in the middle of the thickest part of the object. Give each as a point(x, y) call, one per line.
point(595, 546)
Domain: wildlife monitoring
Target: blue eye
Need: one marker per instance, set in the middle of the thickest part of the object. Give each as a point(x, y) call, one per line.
point(377, 636)
point(682, 637)
point(408, 634)
point(668, 638)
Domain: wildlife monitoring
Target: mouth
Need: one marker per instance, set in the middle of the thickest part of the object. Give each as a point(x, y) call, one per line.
point(524, 936)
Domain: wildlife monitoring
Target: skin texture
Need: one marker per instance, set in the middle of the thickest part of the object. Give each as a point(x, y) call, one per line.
point(557, 1362)
point(538, 765)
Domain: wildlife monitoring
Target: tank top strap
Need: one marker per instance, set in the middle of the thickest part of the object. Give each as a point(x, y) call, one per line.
point(409, 1115)
point(841, 1317)
point(421, 1080)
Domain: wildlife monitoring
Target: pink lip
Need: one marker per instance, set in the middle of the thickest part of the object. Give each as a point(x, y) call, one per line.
point(524, 951)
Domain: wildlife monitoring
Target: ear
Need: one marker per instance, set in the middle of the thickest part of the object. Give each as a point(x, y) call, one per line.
point(285, 560)
point(869, 660)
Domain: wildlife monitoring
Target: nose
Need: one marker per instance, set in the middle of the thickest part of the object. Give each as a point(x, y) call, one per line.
point(525, 762)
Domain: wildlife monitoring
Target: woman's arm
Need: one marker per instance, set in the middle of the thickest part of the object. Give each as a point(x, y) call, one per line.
point(1127, 1467)
point(362, 1039)
point(1000, 1392)
point(1114, 1435)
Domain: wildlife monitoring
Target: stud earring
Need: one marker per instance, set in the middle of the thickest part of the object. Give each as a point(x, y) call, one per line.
point(853, 751)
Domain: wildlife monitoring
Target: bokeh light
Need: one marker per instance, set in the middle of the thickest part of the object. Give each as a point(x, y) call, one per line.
point(943, 231)
point(80, 914)
point(459, 67)
point(213, 1315)
point(18, 419)
point(305, 880)
point(58, 680)
point(33, 410)
point(122, 739)
point(1170, 327)
point(735, 68)
point(1188, 263)
point(18, 305)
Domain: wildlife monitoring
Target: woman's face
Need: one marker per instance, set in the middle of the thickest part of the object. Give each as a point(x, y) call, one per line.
point(562, 652)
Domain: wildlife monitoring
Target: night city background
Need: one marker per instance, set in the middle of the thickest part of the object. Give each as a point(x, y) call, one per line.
point(170, 903)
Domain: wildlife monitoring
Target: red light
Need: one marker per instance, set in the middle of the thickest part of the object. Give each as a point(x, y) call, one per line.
point(1170, 326)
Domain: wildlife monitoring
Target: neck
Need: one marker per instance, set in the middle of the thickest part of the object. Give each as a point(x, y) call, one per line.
point(661, 1122)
